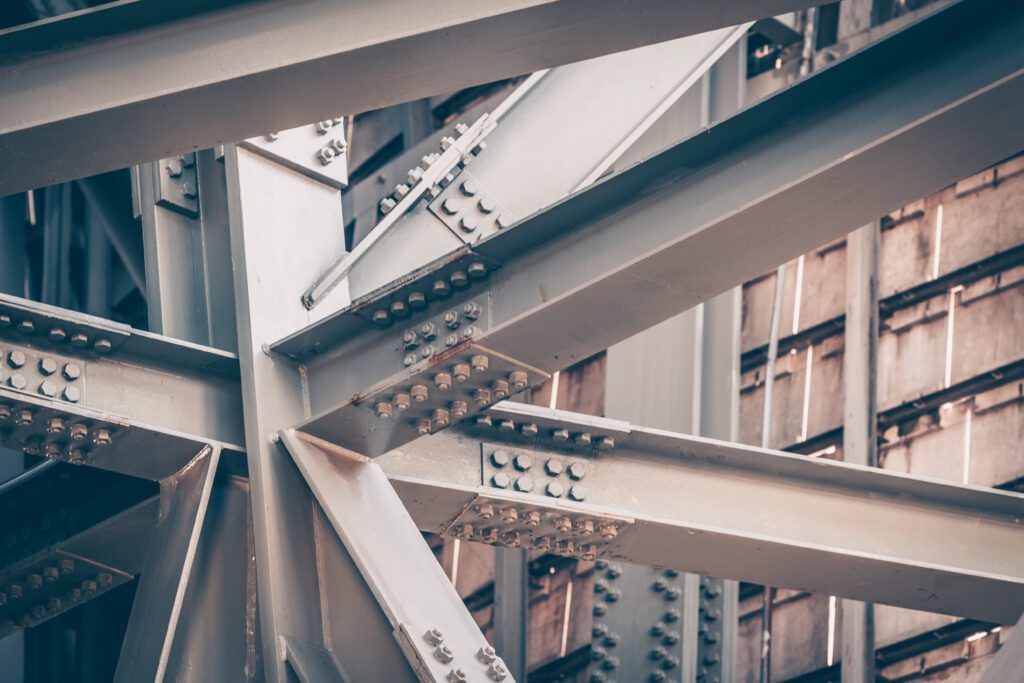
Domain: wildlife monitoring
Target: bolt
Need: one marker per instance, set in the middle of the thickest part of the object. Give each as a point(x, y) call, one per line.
point(509, 515)
point(443, 654)
point(409, 360)
point(482, 397)
point(585, 527)
point(499, 458)
point(74, 595)
point(588, 552)
point(89, 587)
point(457, 676)
point(47, 366)
point(79, 340)
point(5, 412)
point(451, 340)
point(450, 206)
point(523, 462)
point(451, 319)
point(174, 168)
point(562, 524)
point(419, 393)
point(542, 544)
point(48, 389)
point(480, 363)
point(16, 359)
point(441, 288)
point(524, 484)
point(612, 595)
point(518, 379)
point(102, 437)
point(486, 654)
point(418, 300)
point(399, 309)
point(531, 518)
point(511, 539)
point(711, 637)
point(458, 279)
point(565, 547)
point(411, 339)
point(583, 439)
point(55, 425)
point(270, 137)
point(486, 205)
point(79, 432)
point(34, 581)
point(17, 381)
point(32, 446)
point(386, 205)
point(189, 190)
point(15, 592)
point(422, 426)
point(497, 671)
point(560, 434)
point(606, 443)
point(659, 585)
point(459, 409)
point(659, 653)
point(443, 381)
point(658, 629)
point(501, 480)
point(464, 531)
point(529, 429)
point(657, 677)
point(578, 493)
point(489, 536)
point(670, 662)
point(381, 317)
point(577, 470)
point(339, 146)
point(671, 638)
point(72, 372)
point(468, 223)
point(52, 450)
point(401, 401)
point(325, 156)
point(427, 351)
point(469, 332)
point(672, 593)
point(57, 334)
point(485, 511)
point(712, 614)
point(71, 394)
point(499, 389)
point(105, 580)
point(608, 531)
point(23, 418)
point(553, 467)
point(66, 566)
point(434, 636)
point(503, 220)
point(384, 409)
point(77, 456)
point(506, 426)
point(477, 270)
point(441, 418)
point(461, 372)
point(38, 612)
point(50, 574)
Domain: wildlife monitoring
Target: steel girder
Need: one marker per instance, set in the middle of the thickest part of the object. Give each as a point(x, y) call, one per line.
point(769, 183)
point(132, 83)
point(718, 508)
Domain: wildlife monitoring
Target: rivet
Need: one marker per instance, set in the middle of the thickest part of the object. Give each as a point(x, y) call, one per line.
point(443, 381)
point(598, 653)
point(578, 493)
point(553, 467)
point(380, 317)
point(672, 593)
point(658, 653)
point(500, 458)
point(524, 484)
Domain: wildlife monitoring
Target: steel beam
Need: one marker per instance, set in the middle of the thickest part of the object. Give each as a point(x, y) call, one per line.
point(776, 179)
point(1008, 664)
point(141, 89)
point(722, 509)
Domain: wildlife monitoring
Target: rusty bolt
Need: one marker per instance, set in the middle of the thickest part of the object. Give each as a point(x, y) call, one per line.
point(583, 439)
point(418, 300)
point(506, 426)
point(52, 450)
point(531, 518)
point(565, 547)
point(499, 389)
point(460, 372)
point(585, 527)
point(459, 409)
point(423, 426)
point(477, 270)
point(53, 605)
point(518, 379)
point(105, 580)
point(401, 401)
point(480, 363)
point(32, 446)
point(588, 552)
point(47, 366)
point(562, 525)
point(102, 437)
point(5, 412)
point(89, 587)
point(419, 393)
point(23, 418)
point(73, 594)
point(15, 591)
point(511, 539)
point(485, 511)
point(441, 417)
point(383, 409)
point(608, 531)
point(489, 535)
point(542, 544)
point(56, 425)
point(482, 397)
point(524, 484)
point(509, 515)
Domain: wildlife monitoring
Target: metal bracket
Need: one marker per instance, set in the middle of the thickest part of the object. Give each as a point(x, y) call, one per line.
point(44, 325)
point(317, 150)
point(176, 185)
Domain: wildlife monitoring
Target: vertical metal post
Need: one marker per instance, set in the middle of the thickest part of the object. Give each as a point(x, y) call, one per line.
point(512, 609)
point(97, 265)
point(860, 444)
point(56, 284)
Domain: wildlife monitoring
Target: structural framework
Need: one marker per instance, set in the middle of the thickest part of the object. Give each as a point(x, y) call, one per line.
point(309, 411)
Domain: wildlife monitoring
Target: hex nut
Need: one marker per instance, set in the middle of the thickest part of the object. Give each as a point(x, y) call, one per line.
point(608, 531)
point(560, 434)
point(443, 381)
point(523, 462)
point(459, 409)
point(48, 388)
point(461, 372)
point(410, 340)
point(401, 401)
point(429, 331)
point(562, 525)
point(399, 309)
point(500, 458)
point(485, 511)
point(23, 418)
point(606, 443)
point(55, 425)
point(71, 394)
point(443, 654)
point(441, 288)
point(553, 467)
point(434, 636)
point(499, 389)
point(16, 359)
point(419, 393)
point(524, 484)
point(71, 372)
point(543, 544)
point(501, 480)
point(79, 432)
point(511, 539)
point(57, 334)
point(50, 574)
point(578, 493)
point(506, 426)
point(457, 676)
point(577, 470)
point(497, 672)
point(480, 363)
point(486, 654)
point(34, 581)
point(486, 205)
point(529, 429)
point(88, 587)
point(468, 223)
point(482, 398)
point(102, 437)
point(531, 518)
point(422, 426)
point(79, 340)
point(583, 439)
point(103, 345)
point(477, 270)
point(383, 409)
point(458, 278)
point(17, 381)
point(47, 366)
point(509, 515)
point(441, 418)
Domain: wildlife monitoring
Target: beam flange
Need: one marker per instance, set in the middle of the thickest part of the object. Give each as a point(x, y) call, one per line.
point(721, 509)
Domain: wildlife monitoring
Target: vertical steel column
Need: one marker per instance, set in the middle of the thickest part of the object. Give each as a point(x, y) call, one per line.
point(183, 206)
point(860, 444)
point(512, 609)
point(97, 266)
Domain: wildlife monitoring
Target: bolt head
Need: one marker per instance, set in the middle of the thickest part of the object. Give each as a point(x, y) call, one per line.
point(501, 480)
point(16, 359)
point(578, 493)
point(461, 372)
point(441, 288)
point(441, 418)
point(17, 381)
point(443, 381)
point(71, 372)
point(523, 462)
point(500, 458)
point(72, 394)
point(553, 467)
point(399, 309)
point(48, 389)
point(419, 393)
point(47, 366)
point(577, 471)
point(459, 278)
point(477, 270)
point(499, 389)
point(381, 317)
point(102, 437)
point(524, 484)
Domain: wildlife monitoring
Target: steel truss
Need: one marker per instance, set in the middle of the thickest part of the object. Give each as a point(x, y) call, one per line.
point(316, 422)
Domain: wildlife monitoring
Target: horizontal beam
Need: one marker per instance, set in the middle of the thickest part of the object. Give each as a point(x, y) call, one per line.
point(719, 509)
point(146, 90)
point(795, 171)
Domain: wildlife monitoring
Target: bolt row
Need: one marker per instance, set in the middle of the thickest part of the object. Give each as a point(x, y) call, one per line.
point(560, 434)
point(400, 309)
point(47, 367)
point(57, 334)
point(496, 670)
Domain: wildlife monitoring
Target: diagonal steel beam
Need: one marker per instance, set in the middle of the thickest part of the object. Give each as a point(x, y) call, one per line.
point(653, 497)
point(146, 89)
point(799, 169)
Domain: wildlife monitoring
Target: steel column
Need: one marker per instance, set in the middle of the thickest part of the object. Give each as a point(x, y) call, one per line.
point(860, 421)
point(512, 609)
point(132, 89)
point(1008, 664)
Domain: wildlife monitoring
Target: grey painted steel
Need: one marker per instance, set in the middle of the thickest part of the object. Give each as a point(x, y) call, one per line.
point(188, 259)
point(749, 514)
point(1008, 664)
point(98, 270)
point(125, 234)
point(262, 197)
point(643, 245)
point(512, 609)
point(156, 609)
point(429, 622)
point(12, 236)
point(543, 115)
point(213, 78)
point(860, 421)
